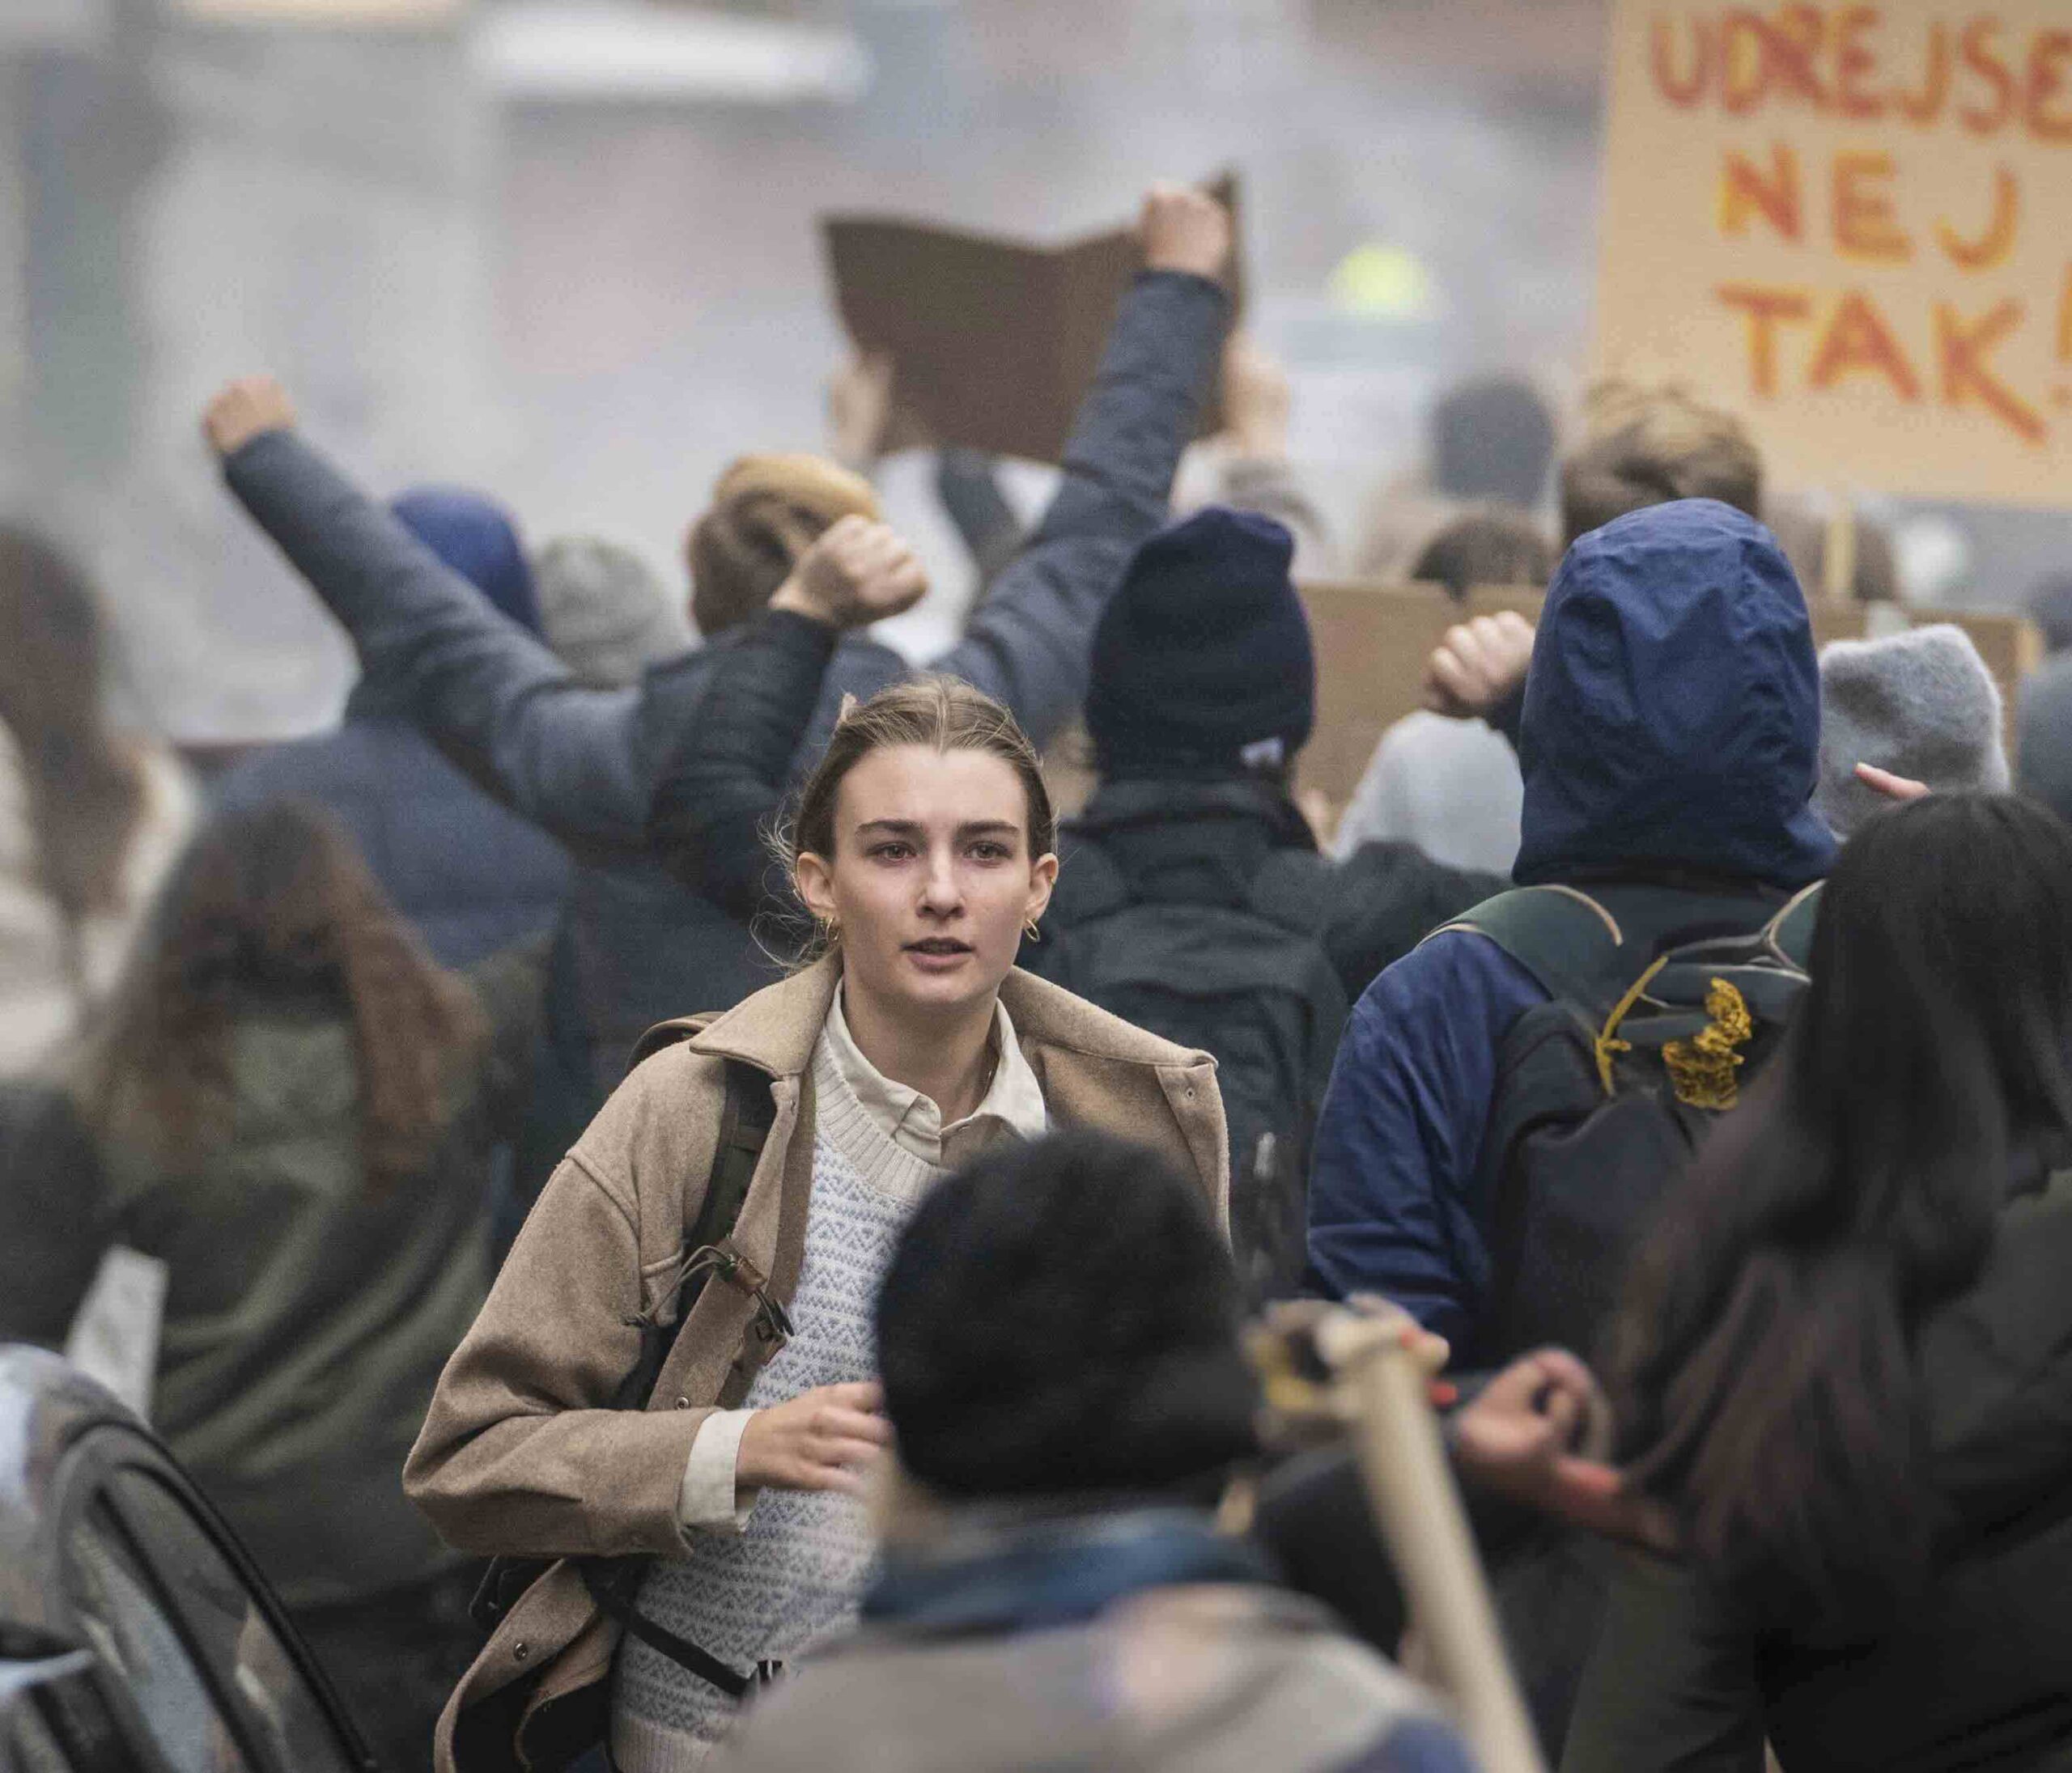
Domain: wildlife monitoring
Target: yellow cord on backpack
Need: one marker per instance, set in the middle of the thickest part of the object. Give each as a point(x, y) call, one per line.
point(1608, 1046)
point(1701, 1069)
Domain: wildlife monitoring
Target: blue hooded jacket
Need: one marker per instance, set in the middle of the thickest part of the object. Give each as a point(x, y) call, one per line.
point(1672, 727)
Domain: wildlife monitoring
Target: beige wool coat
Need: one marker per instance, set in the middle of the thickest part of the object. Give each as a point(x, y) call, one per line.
point(520, 1454)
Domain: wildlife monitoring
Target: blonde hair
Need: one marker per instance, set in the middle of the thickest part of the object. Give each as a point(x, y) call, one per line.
point(1646, 446)
point(766, 511)
point(943, 713)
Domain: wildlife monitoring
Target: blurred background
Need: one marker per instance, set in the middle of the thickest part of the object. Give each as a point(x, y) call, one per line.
point(566, 250)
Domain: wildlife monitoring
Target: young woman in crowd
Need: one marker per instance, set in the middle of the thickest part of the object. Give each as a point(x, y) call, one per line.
point(90, 816)
point(292, 1107)
point(1843, 1364)
point(922, 851)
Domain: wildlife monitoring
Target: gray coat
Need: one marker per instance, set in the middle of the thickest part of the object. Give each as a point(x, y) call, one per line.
point(634, 947)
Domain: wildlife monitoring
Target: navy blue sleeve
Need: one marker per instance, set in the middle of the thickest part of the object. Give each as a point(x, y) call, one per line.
point(1391, 1195)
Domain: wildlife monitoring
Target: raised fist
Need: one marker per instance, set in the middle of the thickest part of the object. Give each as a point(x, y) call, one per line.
point(1185, 229)
point(858, 572)
point(244, 410)
point(1478, 665)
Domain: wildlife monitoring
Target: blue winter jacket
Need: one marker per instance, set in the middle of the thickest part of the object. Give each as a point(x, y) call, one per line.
point(1672, 727)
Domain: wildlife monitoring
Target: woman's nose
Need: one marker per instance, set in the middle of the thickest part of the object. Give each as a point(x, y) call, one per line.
point(939, 888)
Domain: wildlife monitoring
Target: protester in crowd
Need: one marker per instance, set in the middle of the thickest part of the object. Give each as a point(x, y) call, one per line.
point(290, 1106)
point(2043, 748)
point(1451, 785)
point(91, 815)
point(1062, 1430)
point(1807, 534)
point(1921, 705)
point(1197, 904)
point(1246, 466)
point(1652, 446)
point(2049, 606)
point(636, 947)
point(1842, 1361)
point(472, 876)
point(1490, 440)
point(604, 612)
point(922, 849)
point(1669, 741)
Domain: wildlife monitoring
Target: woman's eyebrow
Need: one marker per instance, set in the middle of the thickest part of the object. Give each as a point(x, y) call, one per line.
point(912, 828)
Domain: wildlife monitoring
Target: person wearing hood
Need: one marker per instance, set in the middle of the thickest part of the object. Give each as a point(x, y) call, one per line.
point(1670, 737)
point(470, 876)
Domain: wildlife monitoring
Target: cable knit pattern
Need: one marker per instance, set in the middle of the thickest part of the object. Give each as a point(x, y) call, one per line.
point(796, 1572)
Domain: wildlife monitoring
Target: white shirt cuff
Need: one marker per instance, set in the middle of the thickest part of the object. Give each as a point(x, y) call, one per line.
point(706, 1498)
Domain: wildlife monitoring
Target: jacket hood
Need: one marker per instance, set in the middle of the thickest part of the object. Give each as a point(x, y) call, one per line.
point(475, 536)
point(1672, 714)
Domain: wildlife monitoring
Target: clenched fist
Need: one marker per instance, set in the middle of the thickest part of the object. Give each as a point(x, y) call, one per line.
point(1185, 229)
point(245, 409)
point(858, 572)
point(825, 1438)
point(1479, 665)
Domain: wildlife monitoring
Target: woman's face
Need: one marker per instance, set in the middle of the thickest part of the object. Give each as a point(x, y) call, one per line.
point(931, 880)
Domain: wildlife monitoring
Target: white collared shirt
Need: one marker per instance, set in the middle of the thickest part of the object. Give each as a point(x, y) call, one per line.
point(1013, 1099)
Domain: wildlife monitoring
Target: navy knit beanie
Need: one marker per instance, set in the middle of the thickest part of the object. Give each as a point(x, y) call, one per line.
point(472, 535)
point(1062, 1317)
point(1205, 649)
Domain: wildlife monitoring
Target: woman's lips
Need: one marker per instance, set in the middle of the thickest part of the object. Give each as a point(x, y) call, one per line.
point(938, 954)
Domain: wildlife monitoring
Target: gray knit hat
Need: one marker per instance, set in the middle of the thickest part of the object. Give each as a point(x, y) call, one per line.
point(603, 612)
point(1921, 704)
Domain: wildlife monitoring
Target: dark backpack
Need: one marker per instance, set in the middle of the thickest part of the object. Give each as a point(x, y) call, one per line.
point(1238, 971)
point(1663, 1004)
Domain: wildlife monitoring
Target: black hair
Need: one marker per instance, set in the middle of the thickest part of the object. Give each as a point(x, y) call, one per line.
point(1492, 437)
point(1764, 1361)
point(1061, 1316)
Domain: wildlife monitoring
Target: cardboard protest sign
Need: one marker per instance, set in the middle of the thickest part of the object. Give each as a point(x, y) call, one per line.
point(1853, 226)
point(993, 340)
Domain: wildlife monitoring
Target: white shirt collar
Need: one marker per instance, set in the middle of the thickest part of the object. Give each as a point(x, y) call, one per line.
point(1013, 1102)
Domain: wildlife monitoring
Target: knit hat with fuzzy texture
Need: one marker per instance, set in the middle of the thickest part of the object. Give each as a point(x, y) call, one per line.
point(766, 511)
point(1061, 1316)
point(1919, 704)
point(605, 614)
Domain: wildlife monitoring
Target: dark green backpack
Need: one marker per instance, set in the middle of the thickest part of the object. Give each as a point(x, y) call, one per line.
point(1663, 1004)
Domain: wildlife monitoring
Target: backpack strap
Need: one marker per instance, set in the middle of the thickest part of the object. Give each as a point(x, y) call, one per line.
point(1790, 931)
point(1572, 946)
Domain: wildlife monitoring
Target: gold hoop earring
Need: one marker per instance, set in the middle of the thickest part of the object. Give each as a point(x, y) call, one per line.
point(1031, 931)
point(831, 930)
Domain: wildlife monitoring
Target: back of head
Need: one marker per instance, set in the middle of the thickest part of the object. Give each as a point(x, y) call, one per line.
point(1807, 535)
point(475, 536)
point(603, 612)
point(1492, 439)
point(2049, 607)
point(1672, 713)
point(1061, 1318)
point(1765, 1352)
point(1493, 546)
point(1650, 447)
point(1203, 657)
point(85, 795)
point(766, 511)
point(272, 908)
point(1921, 704)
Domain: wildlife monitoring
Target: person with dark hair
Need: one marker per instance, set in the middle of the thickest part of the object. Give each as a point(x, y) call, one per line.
point(1492, 439)
point(1652, 447)
point(470, 874)
point(1841, 1364)
point(774, 1150)
point(90, 816)
point(634, 945)
point(291, 1106)
point(1057, 1335)
point(1447, 783)
point(1196, 904)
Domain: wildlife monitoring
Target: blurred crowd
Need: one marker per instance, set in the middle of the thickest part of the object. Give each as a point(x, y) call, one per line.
point(707, 1218)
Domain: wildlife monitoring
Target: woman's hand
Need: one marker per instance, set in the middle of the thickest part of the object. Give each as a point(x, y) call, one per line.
point(825, 1438)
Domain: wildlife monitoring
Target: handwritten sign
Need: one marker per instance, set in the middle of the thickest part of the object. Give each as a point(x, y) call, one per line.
point(1853, 226)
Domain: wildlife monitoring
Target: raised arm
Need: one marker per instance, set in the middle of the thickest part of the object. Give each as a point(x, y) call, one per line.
point(487, 692)
point(722, 786)
point(1027, 643)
